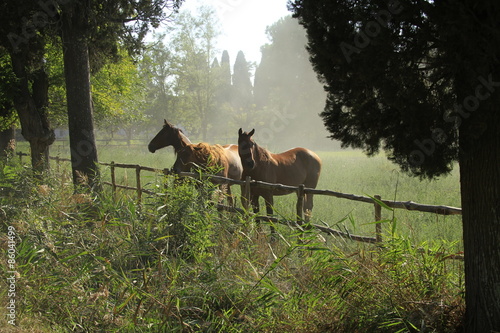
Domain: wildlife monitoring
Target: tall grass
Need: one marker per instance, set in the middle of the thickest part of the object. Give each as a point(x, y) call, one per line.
point(104, 263)
point(348, 172)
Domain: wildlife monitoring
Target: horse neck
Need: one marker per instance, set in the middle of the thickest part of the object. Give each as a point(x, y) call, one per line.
point(262, 154)
point(181, 141)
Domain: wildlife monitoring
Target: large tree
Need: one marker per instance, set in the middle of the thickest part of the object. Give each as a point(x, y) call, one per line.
point(194, 48)
point(7, 112)
point(242, 93)
point(421, 80)
point(286, 87)
point(156, 70)
point(23, 34)
point(225, 72)
point(75, 38)
point(91, 30)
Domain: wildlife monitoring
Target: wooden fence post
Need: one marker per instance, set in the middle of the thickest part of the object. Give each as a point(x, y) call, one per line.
point(165, 172)
point(378, 217)
point(138, 182)
point(245, 195)
point(113, 178)
point(57, 164)
point(300, 203)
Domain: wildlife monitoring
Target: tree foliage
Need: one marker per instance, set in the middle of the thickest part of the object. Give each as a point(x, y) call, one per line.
point(7, 79)
point(196, 81)
point(420, 79)
point(118, 94)
point(242, 95)
point(388, 82)
point(93, 33)
point(155, 68)
point(286, 85)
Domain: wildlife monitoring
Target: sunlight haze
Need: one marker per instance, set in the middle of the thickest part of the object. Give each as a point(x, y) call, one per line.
point(243, 23)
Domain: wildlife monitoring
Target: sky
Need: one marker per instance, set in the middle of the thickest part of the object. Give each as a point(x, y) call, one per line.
point(243, 23)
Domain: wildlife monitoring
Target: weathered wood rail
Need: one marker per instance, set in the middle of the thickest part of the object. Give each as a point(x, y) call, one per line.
point(299, 190)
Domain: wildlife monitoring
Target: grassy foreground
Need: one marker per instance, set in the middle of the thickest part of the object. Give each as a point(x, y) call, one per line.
point(174, 264)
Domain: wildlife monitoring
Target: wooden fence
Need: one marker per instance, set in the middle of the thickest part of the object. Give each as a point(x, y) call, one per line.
point(301, 191)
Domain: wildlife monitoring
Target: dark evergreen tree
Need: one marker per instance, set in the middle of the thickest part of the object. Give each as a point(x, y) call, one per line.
point(263, 80)
point(242, 95)
point(420, 79)
point(215, 64)
point(225, 85)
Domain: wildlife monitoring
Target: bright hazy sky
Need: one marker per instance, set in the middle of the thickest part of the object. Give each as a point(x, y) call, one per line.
point(243, 23)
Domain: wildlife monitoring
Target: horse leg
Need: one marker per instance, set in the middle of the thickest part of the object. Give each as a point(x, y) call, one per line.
point(221, 193)
point(269, 209)
point(308, 206)
point(255, 203)
point(230, 200)
point(310, 182)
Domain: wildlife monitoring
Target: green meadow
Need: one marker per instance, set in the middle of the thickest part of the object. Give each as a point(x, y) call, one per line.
point(342, 171)
point(104, 263)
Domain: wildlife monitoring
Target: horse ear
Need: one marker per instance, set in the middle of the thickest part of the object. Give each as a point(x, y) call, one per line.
point(164, 121)
point(240, 131)
point(251, 132)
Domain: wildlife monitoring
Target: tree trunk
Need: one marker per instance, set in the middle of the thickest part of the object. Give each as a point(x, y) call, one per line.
point(480, 187)
point(78, 93)
point(32, 110)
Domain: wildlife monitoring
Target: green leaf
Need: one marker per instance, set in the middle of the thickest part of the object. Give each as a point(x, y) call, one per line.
point(74, 256)
point(381, 203)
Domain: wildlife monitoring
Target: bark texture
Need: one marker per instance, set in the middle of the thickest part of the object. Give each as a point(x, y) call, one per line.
point(78, 93)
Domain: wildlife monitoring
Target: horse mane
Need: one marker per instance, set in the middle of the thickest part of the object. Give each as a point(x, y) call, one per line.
point(206, 153)
point(179, 135)
point(262, 154)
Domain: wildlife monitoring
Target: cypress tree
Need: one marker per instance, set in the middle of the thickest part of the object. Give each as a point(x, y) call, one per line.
point(225, 86)
point(421, 81)
point(242, 98)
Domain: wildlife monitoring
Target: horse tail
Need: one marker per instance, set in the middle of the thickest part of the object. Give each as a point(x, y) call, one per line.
point(311, 181)
point(314, 169)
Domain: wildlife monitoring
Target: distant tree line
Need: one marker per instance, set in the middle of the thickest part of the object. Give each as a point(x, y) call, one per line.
point(191, 85)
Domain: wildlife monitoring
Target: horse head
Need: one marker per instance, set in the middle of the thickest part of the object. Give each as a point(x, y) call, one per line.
point(169, 135)
point(246, 147)
point(163, 138)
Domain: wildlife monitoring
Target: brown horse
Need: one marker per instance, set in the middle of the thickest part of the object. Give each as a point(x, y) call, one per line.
point(203, 155)
point(293, 167)
point(170, 135)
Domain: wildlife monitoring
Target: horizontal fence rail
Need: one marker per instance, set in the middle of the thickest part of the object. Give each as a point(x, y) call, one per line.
point(299, 190)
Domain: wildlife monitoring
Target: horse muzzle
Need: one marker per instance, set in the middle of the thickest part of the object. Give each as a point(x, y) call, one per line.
point(151, 149)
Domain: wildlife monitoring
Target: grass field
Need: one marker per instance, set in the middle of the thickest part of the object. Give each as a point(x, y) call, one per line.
point(343, 171)
point(94, 263)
